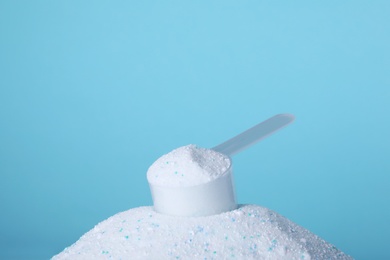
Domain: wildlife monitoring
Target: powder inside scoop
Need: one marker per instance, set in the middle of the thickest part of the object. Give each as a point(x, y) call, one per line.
point(188, 166)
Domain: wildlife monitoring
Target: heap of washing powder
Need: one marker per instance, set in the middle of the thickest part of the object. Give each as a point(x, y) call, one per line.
point(248, 232)
point(188, 165)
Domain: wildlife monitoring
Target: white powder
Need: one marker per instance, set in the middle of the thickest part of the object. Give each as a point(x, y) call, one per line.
point(250, 232)
point(188, 166)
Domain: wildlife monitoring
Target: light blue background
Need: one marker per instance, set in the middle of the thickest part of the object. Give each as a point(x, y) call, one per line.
point(92, 92)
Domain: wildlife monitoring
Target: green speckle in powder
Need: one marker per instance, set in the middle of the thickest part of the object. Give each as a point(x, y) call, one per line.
point(120, 230)
point(175, 172)
point(127, 237)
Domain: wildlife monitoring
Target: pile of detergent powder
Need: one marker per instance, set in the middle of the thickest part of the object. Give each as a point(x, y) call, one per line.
point(248, 232)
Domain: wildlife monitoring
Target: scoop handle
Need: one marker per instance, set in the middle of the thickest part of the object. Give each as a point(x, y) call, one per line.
point(254, 134)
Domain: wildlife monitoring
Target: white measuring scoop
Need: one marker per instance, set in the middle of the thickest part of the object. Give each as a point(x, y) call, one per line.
point(218, 195)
